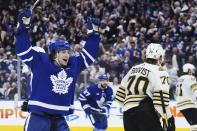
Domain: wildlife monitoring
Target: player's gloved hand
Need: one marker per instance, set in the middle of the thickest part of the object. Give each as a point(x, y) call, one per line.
point(24, 106)
point(87, 110)
point(171, 124)
point(93, 25)
point(104, 110)
point(24, 18)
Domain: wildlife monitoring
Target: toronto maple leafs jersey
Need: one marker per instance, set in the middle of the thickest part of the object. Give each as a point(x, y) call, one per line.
point(96, 98)
point(186, 92)
point(142, 80)
point(52, 86)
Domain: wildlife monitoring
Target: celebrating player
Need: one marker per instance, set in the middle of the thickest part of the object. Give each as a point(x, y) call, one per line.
point(96, 101)
point(144, 89)
point(53, 76)
point(186, 95)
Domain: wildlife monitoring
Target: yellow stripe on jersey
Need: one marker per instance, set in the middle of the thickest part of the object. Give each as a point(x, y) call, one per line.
point(193, 85)
point(122, 87)
point(120, 94)
point(159, 105)
point(132, 103)
point(133, 100)
point(164, 91)
point(183, 101)
point(185, 104)
point(119, 101)
point(159, 98)
point(134, 96)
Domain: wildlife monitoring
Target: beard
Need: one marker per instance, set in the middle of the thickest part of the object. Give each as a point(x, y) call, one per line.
point(103, 86)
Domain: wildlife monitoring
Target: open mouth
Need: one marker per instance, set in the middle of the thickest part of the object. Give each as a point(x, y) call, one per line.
point(65, 60)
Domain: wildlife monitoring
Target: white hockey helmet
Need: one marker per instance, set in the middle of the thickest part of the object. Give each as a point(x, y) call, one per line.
point(187, 67)
point(155, 51)
point(38, 49)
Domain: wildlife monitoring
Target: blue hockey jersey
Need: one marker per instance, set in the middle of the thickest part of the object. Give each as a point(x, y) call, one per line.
point(52, 86)
point(96, 98)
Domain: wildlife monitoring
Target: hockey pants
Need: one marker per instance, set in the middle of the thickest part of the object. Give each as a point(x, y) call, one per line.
point(99, 121)
point(39, 121)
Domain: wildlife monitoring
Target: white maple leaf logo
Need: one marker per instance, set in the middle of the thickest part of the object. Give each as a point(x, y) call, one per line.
point(61, 82)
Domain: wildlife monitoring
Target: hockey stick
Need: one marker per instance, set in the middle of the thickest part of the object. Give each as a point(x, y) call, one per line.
point(34, 5)
point(16, 106)
point(165, 122)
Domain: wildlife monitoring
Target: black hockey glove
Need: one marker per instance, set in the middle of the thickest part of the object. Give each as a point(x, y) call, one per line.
point(24, 106)
point(171, 124)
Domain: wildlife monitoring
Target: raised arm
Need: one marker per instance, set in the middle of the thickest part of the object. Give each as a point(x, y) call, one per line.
point(90, 45)
point(23, 46)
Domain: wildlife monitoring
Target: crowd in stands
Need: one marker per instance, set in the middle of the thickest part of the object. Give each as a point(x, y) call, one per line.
point(127, 27)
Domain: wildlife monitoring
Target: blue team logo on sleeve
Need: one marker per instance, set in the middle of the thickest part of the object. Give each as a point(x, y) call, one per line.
point(61, 82)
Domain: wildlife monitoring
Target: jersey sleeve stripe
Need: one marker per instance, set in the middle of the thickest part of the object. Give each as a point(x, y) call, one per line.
point(81, 95)
point(119, 101)
point(159, 105)
point(164, 91)
point(181, 105)
point(88, 55)
point(49, 106)
point(167, 97)
point(109, 102)
point(25, 52)
point(134, 96)
point(84, 59)
point(120, 98)
point(122, 88)
point(159, 98)
point(86, 106)
point(193, 86)
point(82, 99)
point(132, 103)
point(183, 101)
point(29, 59)
point(120, 94)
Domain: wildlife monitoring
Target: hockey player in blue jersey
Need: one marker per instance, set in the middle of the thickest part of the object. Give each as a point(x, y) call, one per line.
point(53, 76)
point(96, 101)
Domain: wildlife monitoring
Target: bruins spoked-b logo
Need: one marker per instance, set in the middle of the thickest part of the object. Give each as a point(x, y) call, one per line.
point(61, 82)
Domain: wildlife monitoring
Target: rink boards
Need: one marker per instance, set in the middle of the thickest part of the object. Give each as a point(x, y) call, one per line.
point(13, 120)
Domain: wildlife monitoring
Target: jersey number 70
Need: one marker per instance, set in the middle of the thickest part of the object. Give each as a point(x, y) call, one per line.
point(136, 86)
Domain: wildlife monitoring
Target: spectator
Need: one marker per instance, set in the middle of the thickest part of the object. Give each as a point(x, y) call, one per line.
point(7, 90)
point(12, 76)
point(114, 85)
point(134, 23)
point(95, 71)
